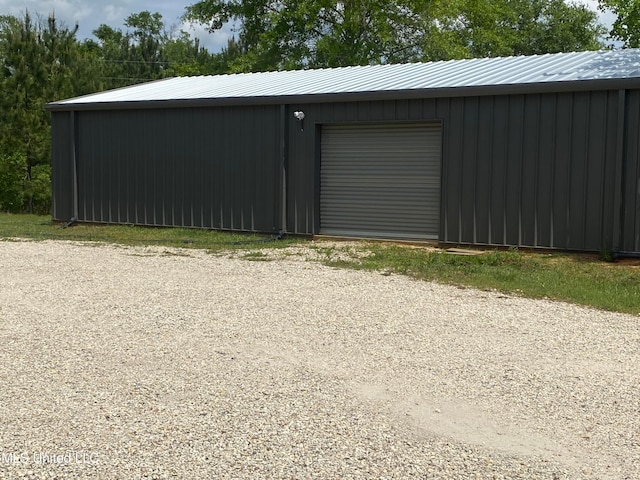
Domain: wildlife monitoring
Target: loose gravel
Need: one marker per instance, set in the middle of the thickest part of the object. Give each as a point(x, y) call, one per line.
point(155, 363)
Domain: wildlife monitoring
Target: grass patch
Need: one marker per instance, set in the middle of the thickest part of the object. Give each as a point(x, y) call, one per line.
point(256, 257)
point(581, 279)
point(42, 228)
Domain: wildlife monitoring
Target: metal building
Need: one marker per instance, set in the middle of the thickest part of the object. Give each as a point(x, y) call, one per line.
point(540, 151)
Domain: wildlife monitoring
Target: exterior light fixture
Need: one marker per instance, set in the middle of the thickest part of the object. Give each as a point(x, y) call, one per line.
point(300, 117)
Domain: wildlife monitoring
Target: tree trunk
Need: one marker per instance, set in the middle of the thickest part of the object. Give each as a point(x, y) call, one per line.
point(29, 185)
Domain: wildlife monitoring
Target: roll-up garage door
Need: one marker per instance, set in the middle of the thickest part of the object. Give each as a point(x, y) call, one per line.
point(380, 181)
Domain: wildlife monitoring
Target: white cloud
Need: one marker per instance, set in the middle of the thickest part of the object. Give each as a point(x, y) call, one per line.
point(214, 42)
point(90, 14)
point(68, 11)
point(113, 14)
point(606, 18)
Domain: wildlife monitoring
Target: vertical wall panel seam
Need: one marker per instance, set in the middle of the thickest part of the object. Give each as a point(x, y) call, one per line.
point(521, 160)
point(636, 185)
point(636, 223)
point(604, 176)
point(553, 168)
point(475, 172)
point(570, 162)
point(506, 175)
point(490, 174)
point(444, 176)
point(284, 136)
point(442, 162)
point(536, 166)
point(619, 184)
point(537, 171)
point(74, 154)
point(585, 183)
point(460, 180)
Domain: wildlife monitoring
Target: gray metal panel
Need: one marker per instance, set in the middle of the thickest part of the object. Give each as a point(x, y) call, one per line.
point(452, 145)
point(181, 167)
point(514, 140)
point(482, 208)
point(497, 149)
point(530, 186)
point(469, 169)
point(547, 162)
point(456, 74)
point(562, 171)
point(518, 170)
point(578, 172)
point(381, 180)
point(599, 173)
point(545, 173)
point(62, 166)
point(631, 175)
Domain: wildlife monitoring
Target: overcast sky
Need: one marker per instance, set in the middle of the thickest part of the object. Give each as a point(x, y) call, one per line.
point(91, 13)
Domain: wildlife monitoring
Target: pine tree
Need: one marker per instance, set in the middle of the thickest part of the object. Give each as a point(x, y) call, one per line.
point(36, 68)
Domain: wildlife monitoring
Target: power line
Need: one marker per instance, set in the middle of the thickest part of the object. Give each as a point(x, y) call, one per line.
point(130, 78)
point(135, 61)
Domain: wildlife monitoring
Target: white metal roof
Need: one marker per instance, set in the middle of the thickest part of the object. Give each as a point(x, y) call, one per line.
point(538, 69)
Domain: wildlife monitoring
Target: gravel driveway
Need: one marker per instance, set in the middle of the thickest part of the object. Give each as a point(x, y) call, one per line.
point(127, 363)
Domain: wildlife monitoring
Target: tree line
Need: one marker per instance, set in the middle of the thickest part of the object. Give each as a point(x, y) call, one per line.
point(43, 61)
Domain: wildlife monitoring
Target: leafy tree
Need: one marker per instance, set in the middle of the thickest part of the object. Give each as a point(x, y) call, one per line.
point(490, 28)
point(12, 192)
point(185, 56)
point(285, 34)
point(146, 50)
point(37, 67)
point(556, 26)
point(127, 58)
point(304, 33)
point(146, 44)
point(626, 27)
point(232, 58)
point(108, 52)
point(356, 32)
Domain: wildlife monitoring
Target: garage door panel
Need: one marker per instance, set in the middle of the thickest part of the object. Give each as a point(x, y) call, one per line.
point(381, 181)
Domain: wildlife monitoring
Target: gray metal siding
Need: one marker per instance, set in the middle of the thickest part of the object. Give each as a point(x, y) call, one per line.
point(537, 163)
point(380, 180)
point(558, 170)
point(181, 167)
point(533, 170)
point(62, 166)
point(631, 175)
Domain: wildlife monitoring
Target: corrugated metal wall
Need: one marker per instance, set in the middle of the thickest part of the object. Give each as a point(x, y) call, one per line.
point(533, 170)
point(207, 167)
point(539, 170)
point(631, 175)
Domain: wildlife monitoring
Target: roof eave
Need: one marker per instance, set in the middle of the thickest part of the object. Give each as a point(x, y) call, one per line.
point(449, 92)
